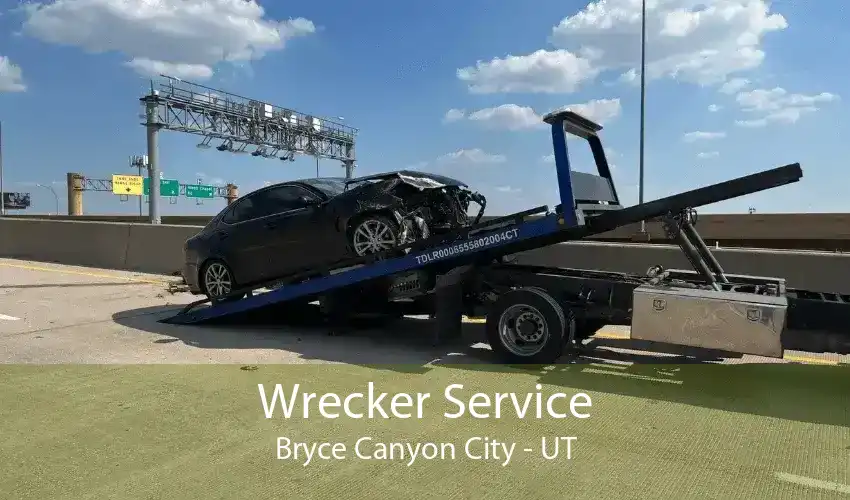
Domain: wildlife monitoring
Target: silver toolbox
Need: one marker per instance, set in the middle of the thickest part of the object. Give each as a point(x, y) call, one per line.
point(736, 322)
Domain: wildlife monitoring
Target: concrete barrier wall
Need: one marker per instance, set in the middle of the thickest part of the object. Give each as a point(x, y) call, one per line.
point(110, 245)
point(828, 232)
point(174, 220)
point(159, 249)
point(83, 243)
point(818, 271)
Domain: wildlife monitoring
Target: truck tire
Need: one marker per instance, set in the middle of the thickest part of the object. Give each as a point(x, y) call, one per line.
point(528, 326)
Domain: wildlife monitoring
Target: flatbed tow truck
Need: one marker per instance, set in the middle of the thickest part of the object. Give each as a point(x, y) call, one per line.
point(533, 313)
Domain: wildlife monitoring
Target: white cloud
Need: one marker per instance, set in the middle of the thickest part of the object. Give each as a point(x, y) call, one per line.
point(778, 106)
point(701, 42)
point(694, 41)
point(475, 155)
point(454, 115)
point(598, 110)
point(508, 190)
point(778, 98)
point(759, 122)
point(507, 116)
point(11, 76)
point(541, 71)
point(708, 154)
point(548, 159)
point(631, 76)
point(516, 117)
point(787, 116)
point(734, 85)
point(187, 38)
point(713, 108)
point(702, 136)
point(148, 67)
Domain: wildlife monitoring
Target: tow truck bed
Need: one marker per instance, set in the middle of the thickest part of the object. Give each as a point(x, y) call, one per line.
point(463, 271)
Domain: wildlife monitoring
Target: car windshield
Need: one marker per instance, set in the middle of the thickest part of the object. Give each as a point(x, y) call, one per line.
point(329, 185)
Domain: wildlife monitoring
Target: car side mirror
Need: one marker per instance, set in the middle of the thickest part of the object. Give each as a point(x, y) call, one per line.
point(309, 201)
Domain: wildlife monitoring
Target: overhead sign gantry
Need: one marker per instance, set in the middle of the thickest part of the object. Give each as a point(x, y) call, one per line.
point(232, 123)
point(136, 185)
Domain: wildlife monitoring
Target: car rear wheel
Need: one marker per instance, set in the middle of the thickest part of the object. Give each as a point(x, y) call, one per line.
point(374, 234)
point(217, 280)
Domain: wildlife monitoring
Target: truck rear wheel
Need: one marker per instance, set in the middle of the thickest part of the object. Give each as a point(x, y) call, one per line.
point(528, 326)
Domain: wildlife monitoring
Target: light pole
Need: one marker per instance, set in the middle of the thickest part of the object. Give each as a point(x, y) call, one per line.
point(642, 104)
point(55, 196)
point(139, 162)
point(642, 108)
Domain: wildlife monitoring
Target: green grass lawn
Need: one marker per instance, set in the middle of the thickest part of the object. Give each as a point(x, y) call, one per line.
point(185, 432)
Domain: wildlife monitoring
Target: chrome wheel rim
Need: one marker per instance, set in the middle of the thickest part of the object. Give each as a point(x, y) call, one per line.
point(217, 280)
point(373, 236)
point(523, 330)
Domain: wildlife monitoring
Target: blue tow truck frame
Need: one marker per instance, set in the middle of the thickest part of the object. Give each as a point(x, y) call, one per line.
point(466, 262)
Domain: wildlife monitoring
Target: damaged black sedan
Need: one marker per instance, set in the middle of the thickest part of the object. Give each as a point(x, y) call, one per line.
point(287, 228)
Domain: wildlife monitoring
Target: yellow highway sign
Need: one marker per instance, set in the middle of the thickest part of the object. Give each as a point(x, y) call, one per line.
point(127, 184)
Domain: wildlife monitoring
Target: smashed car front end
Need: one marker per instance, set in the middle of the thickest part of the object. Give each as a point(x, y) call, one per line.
point(423, 204)
point(442, 203)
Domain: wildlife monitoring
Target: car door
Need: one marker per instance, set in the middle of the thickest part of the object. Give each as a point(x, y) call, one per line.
point(242, 238)
point(291, 221)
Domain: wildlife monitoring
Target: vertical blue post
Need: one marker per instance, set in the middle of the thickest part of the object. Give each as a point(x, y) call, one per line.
point(562, 167)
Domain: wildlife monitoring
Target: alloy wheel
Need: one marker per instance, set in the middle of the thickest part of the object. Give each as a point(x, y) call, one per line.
point(372, 236)
point(217, 280)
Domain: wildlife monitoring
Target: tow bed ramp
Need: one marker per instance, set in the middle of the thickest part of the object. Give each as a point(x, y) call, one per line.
point(589, 205)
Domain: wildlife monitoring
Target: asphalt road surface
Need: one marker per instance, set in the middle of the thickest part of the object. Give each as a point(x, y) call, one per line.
point(100, 400)
point(51, 313)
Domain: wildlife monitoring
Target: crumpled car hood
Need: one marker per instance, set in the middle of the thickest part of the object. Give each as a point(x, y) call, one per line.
point(420, 180)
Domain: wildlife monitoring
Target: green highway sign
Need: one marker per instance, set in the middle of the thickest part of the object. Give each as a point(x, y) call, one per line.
point(200, 191)
point(167, 187)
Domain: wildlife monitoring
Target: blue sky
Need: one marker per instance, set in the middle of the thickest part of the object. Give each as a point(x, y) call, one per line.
point(735, 86)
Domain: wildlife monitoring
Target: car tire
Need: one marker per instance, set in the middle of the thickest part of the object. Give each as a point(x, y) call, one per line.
point(217, 281)
point(373, 234)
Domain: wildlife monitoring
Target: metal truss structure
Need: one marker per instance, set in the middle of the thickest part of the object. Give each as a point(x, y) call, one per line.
point(243, 125)
point(106, 185)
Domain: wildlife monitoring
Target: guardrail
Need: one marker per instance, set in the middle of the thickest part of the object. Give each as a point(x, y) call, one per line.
point(827, 232)
point(159, 249)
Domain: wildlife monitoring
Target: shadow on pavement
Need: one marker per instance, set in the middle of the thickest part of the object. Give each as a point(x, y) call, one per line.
point(398, 345)
point(805, 393)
